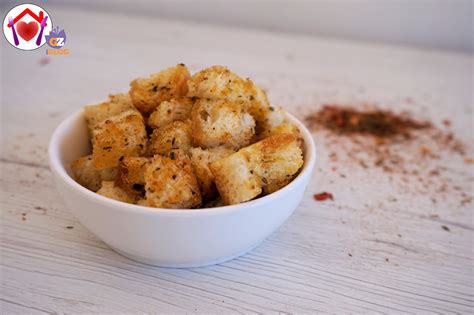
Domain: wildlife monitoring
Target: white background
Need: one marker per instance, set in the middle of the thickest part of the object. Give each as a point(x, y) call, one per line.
point(439, 24)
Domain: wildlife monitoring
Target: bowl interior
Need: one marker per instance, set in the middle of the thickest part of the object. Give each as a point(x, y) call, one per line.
point(71, 141)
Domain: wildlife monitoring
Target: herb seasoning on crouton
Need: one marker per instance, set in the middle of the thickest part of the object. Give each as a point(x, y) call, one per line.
point(178, 141)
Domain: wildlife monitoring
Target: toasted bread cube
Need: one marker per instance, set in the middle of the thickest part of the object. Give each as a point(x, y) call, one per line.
point(131, 175)
point(117, 137)
point(267, 165)
point(171, 137)
point(214, 203)
point(235, 180)
point(272, 117)
point(281, 158)
point(85, 173)
point(171, 183)
point(115, 105)
point(259, 107)
point(218, 82)
point(110, 190)
point(284, 128)
point(143, 202)
point(176, 109)
point(200, 160)
point(148, 93)
point(220, 122)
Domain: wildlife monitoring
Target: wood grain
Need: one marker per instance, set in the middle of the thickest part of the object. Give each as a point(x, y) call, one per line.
point(358, 254)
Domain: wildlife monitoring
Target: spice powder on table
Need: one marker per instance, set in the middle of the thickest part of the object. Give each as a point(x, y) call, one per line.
point(398, 144)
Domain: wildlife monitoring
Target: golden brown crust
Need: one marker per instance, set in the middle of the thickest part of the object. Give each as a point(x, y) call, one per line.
point(235, 180)
point(267, 165)
point(115, 105)
point(148, 93)
point(171, 183)
point(200, 160)
point(110, 190)
point(219, 83)
point(176, 109)
point(131, 175)
point(284, 128)
point(281, 158)
point(87, 175)
point(119, 136)
point(171, 137)
point(221, 122)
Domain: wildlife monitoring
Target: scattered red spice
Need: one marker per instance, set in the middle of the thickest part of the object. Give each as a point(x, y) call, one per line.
point(381, 123)
point(322, 196)
point(415, 154)
point(446, 122)
point(44, 61)
point(468, 160)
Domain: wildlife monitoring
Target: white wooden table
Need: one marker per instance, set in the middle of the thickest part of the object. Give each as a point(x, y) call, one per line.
point(401, 260)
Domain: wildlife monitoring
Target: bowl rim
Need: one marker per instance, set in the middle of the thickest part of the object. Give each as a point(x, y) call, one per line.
point(59, 169)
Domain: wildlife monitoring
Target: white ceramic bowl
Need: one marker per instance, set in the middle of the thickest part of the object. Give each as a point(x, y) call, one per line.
point(172, 238)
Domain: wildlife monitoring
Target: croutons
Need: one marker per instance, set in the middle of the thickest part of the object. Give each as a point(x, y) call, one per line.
point(169, 111)
point(171, 137)
point(131, 175)
point(87, 175)
point(258, 107)
point(214, 203)
point(171, 183)
point(219, 83)
point(266, 165)
point(221, 122)
point(110, 190)
point(148, 93)
point(281, 159)
point(284, 128)
point(176, 141)
point(115, 105)
point(235, 180)
point(200, 160)
point(117, 137)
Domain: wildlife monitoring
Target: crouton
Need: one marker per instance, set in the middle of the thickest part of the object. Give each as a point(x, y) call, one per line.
point(87, 175)
point(218, 82)
point(259, 107)
point(220, 122)
point(171, 137)
point(271, 117)
point(148, 93)
point(110, 190)
point(169, 111)
point(115, 105)
point(171, 183)
point(264, 166)
point(235, 180)
point(214, 203)
point(200, 160)
point(119, 136)
point(284, 128)
point(281, 158)
point(131, 175)
point(143, 202)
